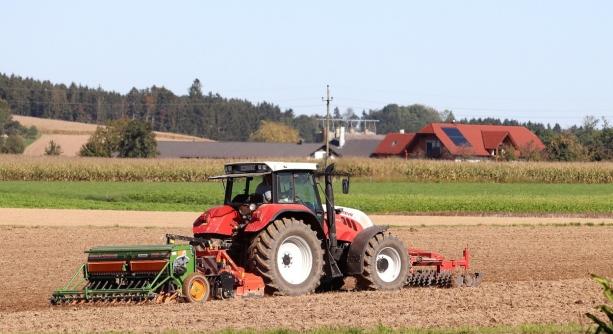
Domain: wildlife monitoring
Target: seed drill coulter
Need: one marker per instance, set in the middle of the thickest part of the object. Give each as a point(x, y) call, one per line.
point(276, 233)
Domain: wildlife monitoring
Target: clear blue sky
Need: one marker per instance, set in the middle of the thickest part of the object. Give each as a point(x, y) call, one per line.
point(547, 61)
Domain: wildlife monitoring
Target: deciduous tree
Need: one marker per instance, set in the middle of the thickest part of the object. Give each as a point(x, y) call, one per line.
point(275, 132)
point(565, 147)
point(137, 140)
point(122, 138)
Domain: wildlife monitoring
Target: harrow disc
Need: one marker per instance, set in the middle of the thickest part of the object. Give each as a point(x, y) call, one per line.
point(443, 279)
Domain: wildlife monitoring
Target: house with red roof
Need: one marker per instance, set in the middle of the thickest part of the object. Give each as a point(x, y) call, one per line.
point(460, 141)
point(394, 144)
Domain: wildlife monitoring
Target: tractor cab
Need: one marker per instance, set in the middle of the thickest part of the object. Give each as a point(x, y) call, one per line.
point(249, 185)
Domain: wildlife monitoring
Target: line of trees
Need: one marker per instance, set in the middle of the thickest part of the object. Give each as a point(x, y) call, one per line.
point(205, 115)
point(195, 113)
point(213, 116)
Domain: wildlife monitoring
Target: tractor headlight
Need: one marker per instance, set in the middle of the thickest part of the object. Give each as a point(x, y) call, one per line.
point(246, 209)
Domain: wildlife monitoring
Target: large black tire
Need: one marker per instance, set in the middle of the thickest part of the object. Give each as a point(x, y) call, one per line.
point(293, 238)
point(386, 264)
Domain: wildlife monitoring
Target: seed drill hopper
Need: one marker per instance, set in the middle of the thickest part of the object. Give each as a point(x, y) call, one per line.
point(129, 273)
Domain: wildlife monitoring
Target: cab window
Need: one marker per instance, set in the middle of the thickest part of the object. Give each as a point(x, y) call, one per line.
point(305, 191)
point(242, 189)
point(297, 187)
point(285, 188)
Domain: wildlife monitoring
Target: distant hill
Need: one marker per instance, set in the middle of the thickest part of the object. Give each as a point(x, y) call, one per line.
point(72, 135)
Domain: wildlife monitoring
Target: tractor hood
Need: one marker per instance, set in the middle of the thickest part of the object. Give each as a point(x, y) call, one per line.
point(218, 220)
point(356, 215)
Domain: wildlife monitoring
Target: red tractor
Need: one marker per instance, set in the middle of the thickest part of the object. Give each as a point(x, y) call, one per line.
point(277, 225)
point(276, 233)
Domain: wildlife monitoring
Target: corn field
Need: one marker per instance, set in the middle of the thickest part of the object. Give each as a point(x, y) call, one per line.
point(21, 168)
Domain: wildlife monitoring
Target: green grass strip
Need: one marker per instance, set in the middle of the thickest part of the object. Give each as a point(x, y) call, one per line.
point(371, 197)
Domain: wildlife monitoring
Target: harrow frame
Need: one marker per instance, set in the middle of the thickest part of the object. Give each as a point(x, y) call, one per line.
point(443, 272)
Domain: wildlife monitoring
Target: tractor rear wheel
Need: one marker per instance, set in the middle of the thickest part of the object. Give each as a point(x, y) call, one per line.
point(386, 264)
point(288, 255)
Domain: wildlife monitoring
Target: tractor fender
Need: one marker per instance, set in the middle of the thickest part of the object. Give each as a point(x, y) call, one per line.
point(355, 255)
point(266, 214)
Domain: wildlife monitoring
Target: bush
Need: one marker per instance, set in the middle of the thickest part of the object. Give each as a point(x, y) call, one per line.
point(12, 133)
point(13, 145)
point(53, 149)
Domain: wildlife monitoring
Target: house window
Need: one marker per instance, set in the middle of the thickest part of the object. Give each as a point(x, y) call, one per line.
point(433, 148)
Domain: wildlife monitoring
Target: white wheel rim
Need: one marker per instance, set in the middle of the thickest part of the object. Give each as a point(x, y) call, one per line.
point(388, 264)
point(294, 260)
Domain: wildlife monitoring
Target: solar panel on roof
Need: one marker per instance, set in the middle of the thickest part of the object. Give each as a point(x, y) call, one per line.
point(456, 136)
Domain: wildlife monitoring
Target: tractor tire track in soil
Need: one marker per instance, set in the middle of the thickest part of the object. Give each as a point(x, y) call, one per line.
point(533, 274)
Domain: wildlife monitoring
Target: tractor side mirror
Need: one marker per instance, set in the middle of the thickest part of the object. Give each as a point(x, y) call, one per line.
point(346, 185)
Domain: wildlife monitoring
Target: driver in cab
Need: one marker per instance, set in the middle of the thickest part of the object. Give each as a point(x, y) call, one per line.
point(265, 188)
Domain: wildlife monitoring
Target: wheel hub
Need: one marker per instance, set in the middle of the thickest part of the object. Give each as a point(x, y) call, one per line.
point(388, 264)
point(287, 260)
point(294, 260)
point(382, 264)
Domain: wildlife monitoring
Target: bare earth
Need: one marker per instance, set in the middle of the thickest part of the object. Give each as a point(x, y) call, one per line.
point(56, 126)
point(534, 274)
point(72, 217)
point(70, 144)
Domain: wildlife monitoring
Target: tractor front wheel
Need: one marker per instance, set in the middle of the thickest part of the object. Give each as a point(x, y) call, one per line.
point(288, 255)
point(196, 288)
point(386, 264)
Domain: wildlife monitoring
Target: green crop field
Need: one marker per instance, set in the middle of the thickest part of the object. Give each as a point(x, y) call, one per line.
point(372, 197)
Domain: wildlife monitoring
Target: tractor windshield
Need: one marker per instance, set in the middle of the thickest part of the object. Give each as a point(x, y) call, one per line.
point(249, 189)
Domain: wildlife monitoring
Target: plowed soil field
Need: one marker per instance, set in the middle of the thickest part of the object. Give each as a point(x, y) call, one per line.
point(533, 274)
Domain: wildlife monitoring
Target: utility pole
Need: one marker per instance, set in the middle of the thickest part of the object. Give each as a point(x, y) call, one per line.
point(327, 99)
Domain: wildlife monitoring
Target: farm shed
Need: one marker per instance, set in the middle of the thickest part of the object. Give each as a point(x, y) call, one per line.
point(234, 150)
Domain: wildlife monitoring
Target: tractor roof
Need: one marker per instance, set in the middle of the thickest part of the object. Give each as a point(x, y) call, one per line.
point(277, 166)
point(267, 166)
point(242, 169)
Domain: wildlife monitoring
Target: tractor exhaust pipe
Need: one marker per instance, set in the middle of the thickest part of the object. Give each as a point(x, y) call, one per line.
point(333, 252)
point(330, 209)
